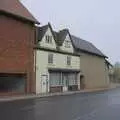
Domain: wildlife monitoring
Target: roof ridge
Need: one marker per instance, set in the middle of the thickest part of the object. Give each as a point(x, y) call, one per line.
point(78, 42)
point(81, 39)
point(44, 26)
point(86, 46)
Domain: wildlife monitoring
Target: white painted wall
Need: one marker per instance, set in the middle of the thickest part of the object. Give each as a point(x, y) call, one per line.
point(59, 62)
point(43, 43)
point(63, 48)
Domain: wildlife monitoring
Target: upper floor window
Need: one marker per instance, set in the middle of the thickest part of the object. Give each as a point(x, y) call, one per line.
point(67, 44)
point(50, 58)
point(48, 39)
point(68, 60)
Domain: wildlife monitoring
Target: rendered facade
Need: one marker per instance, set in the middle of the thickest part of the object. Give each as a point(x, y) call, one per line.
point(38, 60)
point(87, 68)
point(57, 67)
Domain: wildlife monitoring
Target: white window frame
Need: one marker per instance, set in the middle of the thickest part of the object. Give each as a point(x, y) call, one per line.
point(50, 58)
point(68, 61)
point(48, 39)
point(67, 43)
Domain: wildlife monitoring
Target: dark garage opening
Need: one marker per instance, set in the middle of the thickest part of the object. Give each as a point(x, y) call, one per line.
point(12, 83)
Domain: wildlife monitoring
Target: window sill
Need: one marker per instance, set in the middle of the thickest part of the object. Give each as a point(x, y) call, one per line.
point(51, 64)
point(56, 85)
point(69, 66)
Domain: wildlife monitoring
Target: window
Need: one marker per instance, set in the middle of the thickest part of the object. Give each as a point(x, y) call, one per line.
point(67, 44)
point(48, 39)
point(72, 79)
point(68, 60)
point(63, 79)
point(50, 58)
point(55, 79)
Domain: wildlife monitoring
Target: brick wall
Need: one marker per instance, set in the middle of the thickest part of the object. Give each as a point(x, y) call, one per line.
point(16, 49)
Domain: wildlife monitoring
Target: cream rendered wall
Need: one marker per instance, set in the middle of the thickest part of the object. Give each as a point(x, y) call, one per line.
point(63, 48)
point(94, 71)
point(43, 43)
point(58, 62)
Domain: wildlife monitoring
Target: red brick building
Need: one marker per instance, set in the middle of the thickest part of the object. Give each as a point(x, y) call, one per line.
point(17, 38)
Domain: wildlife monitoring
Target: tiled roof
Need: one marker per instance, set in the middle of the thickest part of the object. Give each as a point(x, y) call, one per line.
point(85, 46)
point(41, 31)
point(16, 8)
point(78, 43)
point(61, 36)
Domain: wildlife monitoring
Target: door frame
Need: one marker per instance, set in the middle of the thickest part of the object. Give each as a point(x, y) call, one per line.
point(45, 82)
point(82, 82)
point(65, 86)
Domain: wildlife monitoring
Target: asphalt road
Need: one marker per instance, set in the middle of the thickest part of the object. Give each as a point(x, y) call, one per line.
point(85, 106)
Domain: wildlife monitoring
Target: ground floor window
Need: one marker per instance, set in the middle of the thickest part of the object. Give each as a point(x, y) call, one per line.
point(55, 79)
point(72, 78)
point(12, 83)
point(62, 79)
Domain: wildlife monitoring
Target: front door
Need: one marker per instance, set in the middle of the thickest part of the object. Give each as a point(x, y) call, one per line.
point(82, 82)
point(65, 82)
point(44, 84)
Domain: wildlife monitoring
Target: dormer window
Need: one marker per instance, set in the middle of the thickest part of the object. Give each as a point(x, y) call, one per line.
point(67, 44)
point(48, 39)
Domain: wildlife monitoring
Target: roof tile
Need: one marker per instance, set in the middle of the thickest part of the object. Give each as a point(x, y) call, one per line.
point(86, 46)
point(78, 43)
point(15, 7)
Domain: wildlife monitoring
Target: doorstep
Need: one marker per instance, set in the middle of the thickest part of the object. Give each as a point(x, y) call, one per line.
point(33, 96)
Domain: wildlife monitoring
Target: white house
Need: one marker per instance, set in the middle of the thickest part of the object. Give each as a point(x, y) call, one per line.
point(65, 62)
point(57, 66)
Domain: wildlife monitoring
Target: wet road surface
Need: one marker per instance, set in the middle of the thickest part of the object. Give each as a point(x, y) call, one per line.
point(85, 106)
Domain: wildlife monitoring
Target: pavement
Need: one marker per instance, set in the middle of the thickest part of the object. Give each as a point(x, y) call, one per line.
point(34, 96)
point(100, 105)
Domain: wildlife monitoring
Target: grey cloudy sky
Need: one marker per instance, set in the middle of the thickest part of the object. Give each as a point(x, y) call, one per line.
point(97, 21)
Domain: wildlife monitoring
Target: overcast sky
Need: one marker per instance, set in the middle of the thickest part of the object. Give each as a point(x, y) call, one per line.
point(97, 21)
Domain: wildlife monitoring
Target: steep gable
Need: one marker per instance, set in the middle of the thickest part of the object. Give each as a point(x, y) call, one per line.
point(67, 45)
point(65, 41)
point(46, 37)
